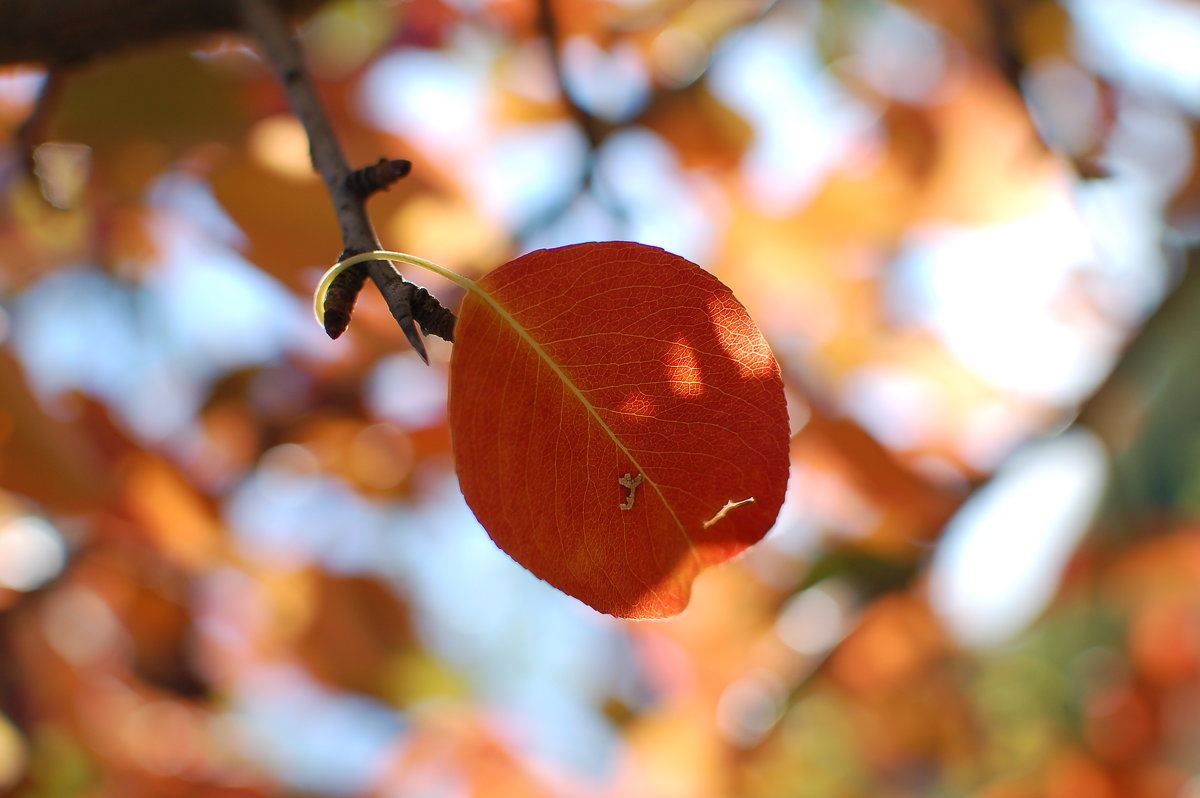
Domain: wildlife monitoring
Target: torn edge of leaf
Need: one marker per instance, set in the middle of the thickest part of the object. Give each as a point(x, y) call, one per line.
point(729, 505)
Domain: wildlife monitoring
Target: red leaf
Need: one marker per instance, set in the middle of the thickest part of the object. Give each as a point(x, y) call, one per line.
point(618, 422)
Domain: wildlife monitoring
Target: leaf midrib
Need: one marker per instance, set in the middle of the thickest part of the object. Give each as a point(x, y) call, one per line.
point(537, 348)
point(474, 288)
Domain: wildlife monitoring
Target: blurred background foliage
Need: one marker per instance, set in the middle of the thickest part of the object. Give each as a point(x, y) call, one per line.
point(233, 557)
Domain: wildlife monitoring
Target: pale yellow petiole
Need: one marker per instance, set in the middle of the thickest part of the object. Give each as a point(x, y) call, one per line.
point(397, 257)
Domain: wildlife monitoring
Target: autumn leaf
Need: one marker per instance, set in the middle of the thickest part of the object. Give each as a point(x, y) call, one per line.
point(618, 422)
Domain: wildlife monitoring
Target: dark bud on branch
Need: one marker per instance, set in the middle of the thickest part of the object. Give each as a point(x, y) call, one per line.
point(432, 316)
point(409, 304)
point(339, 301)
point(377, 177)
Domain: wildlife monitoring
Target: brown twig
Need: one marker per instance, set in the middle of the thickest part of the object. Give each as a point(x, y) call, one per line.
point(409, 304)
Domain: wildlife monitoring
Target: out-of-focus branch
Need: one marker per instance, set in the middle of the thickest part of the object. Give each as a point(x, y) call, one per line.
point(409, 304)
point(1004, 18)
point(588, 124)
point(69, 31)
point(595, 129)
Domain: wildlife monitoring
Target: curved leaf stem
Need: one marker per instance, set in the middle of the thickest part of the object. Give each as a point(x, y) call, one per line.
point(379, 254)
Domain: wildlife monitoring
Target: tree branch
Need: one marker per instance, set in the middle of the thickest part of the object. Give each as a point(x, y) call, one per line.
point(378, 176)
point(408, 303)
point(69, 31)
